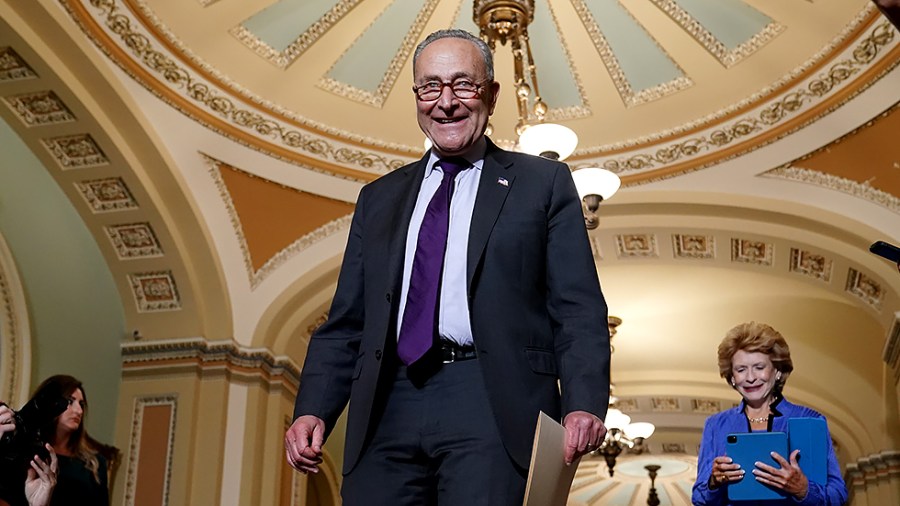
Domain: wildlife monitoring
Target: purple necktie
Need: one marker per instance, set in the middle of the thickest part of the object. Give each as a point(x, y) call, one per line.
point(419, 326)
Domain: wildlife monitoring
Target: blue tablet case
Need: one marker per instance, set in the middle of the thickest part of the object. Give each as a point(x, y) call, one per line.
point(748, 448)
point(810, 436)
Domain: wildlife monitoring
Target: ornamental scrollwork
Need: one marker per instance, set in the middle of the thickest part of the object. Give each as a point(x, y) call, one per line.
point(202, 93)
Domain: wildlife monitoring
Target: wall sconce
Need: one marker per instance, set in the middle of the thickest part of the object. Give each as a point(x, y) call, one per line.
point(594, 186)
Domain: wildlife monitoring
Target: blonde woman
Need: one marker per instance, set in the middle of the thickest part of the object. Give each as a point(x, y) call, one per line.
point(755, 360)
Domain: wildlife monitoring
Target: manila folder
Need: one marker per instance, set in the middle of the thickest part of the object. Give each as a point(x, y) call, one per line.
point(549, 478)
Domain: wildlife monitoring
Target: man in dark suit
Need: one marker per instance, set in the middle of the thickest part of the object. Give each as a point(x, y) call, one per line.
point(891, 10)
point(446, 377)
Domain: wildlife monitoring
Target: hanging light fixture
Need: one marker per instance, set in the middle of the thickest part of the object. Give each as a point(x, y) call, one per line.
point(621, 432)
point(507, 21)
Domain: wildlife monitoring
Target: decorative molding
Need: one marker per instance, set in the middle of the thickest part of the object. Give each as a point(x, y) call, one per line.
point(636, 246)
point(630, 405)
point(864, 288)
point(571, 112)
point(774, 113)
point(201, 98)
point(207, 355)
point(377, 97)
point(283, 59)
point(620, 81)
point(706, 39)
point(705, 406)
point(154, 291)
point(115, 31)
point(107, 195)
point(673, 448)
point(134, 240)
point(15, 332)
point(891, 353)
point(258, 276)
point(596, 249)
point(874, 478)
point(862, 190)
point(75, 151)
point(665, 404)
point(756, 99)
point(314, 326)
point(13, 67)
point(752, 252)
point(694, 246)
point(134, 447)
point(811, 264)
point(39, 108)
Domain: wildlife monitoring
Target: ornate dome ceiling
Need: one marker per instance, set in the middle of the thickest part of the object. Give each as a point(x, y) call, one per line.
point(651, 87)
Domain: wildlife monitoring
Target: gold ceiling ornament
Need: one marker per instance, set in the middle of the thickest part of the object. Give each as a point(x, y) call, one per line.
point(507, 21)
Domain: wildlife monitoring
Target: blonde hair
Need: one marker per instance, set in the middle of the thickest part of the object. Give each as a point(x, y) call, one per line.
point(755, 337)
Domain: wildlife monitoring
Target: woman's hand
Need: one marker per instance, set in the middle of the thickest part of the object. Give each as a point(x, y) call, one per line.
point(724, 471)
point(7, 422)
point(789, 478)
point(41, 479)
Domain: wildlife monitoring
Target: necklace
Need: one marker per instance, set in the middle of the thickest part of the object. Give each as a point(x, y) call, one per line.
point(758, 420)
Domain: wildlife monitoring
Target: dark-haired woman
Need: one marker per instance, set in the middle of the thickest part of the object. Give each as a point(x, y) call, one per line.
point(82, 474)
point(755, 360)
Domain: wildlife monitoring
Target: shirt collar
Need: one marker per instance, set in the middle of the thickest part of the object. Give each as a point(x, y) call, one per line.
point(475, 156)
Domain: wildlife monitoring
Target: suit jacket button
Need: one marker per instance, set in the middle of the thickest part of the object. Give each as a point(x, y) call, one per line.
point(387, 297)
point(377, 354)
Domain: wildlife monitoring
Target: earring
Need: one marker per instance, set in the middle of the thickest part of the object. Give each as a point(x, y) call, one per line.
point(732, 384)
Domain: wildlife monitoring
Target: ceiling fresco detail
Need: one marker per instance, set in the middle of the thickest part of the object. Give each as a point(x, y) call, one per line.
point(730, 30)
point(13, 67)
point(272, 222)
point(271, 32)
point(640, 68)
point(763, 80)
point(369, 68)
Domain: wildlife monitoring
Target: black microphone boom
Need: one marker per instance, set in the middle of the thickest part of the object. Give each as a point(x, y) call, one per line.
point(886, 250)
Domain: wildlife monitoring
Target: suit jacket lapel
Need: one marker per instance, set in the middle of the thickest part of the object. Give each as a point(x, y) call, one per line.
point(407, 190)
point(496, 181)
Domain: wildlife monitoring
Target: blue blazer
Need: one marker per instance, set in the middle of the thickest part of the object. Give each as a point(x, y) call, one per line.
point(718, 426)
point(538, 316)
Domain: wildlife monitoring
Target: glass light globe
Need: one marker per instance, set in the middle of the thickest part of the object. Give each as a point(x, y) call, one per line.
point(546, 138)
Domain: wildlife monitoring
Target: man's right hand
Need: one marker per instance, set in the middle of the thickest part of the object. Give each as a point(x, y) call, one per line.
point(303, 443)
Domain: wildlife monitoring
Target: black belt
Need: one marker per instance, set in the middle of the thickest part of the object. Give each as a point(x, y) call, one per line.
point(452, 352)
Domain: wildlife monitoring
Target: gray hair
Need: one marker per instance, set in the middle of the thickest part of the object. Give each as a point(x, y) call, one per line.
point(456, 33)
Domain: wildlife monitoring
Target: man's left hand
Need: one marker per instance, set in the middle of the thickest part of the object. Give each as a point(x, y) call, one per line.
point(789, 478)
point(584, 434)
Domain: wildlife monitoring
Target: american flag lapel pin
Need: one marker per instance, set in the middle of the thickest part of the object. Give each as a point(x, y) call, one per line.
point(502, 181)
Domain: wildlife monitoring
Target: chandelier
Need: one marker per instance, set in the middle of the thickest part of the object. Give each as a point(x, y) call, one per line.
point(506, 21)
point(621, 432)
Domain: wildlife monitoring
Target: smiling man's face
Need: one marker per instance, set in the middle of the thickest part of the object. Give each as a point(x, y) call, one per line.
point(454, 124)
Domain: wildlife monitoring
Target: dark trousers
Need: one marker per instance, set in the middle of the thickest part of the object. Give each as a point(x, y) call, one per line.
point(436, 443)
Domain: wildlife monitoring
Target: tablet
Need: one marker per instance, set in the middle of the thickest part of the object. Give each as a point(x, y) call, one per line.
point(810, 436)
point(748, 448)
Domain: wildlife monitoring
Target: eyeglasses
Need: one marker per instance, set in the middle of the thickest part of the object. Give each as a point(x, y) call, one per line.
point(461, 88)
